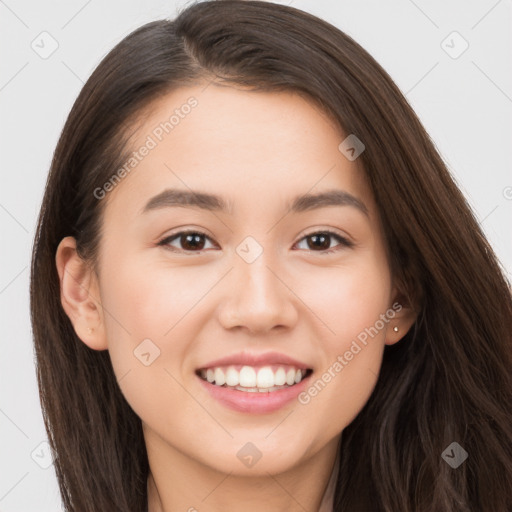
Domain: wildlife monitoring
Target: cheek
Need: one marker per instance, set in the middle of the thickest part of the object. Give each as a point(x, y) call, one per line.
point(149, 313)
point(349, 302)
point(347, 299)
point(134, 327)
point(149, 300)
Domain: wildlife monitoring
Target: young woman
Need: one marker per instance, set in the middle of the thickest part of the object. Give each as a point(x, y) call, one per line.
point(255, 285)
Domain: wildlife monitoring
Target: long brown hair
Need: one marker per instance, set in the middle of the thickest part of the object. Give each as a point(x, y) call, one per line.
point(448, 380)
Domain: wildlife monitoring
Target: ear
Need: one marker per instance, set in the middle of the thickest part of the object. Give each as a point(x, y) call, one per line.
point(405, 314)
point(79, 295)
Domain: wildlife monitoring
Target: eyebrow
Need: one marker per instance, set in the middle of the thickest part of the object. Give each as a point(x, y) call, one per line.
point(195, 199)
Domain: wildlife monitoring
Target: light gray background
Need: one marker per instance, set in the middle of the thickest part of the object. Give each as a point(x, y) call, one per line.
point(465, 104)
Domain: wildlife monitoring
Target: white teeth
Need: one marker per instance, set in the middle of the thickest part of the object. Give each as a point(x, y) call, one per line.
point(280, 377)
point(265, 377)
point(219, 377)
point(254, 379)
point(247, 377)
point(232, 377)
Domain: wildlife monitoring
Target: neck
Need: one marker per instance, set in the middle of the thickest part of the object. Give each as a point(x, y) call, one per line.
point(178, 482)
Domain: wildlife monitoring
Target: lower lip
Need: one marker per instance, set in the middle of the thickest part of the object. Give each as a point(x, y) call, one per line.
point(255, 402)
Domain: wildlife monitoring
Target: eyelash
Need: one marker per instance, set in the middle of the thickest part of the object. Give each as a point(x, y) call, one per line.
point(344, 243)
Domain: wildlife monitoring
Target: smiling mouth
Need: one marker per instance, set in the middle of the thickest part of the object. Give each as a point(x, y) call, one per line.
point(263, 379)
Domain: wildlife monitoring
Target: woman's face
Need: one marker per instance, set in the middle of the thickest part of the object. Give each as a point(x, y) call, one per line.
point(258, 277)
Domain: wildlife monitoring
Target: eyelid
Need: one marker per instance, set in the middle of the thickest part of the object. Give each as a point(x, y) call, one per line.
point(329, 231)
point(184, 230)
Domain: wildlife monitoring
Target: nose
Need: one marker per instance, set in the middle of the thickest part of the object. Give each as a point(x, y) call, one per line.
point(256, 298)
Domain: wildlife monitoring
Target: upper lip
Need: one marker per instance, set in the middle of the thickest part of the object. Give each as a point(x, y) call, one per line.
point(248, 359)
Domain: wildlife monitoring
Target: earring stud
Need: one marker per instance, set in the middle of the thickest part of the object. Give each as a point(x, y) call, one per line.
point(89, 330)
point(395, 328)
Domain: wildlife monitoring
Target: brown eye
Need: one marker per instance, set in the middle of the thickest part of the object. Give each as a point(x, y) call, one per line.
point(321, 242)
point(192, 241)
point(188, 241)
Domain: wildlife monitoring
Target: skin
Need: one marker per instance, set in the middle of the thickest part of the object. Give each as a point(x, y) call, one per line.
point(257, 150)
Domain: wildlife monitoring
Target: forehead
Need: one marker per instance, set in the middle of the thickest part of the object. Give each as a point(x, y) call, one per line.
point(254, 149)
